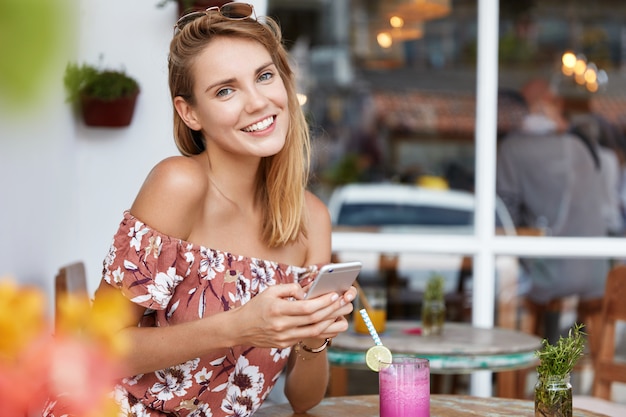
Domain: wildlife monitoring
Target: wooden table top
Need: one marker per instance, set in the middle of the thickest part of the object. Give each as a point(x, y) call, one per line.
point(440, 406)
point(461, 348)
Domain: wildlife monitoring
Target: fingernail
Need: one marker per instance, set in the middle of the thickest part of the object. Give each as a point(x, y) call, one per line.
point(334, 297)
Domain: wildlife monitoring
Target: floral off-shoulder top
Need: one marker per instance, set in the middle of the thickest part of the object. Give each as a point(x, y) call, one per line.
point(177, 281)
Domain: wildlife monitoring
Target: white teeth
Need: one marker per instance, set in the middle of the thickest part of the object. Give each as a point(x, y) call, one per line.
point(263, 124)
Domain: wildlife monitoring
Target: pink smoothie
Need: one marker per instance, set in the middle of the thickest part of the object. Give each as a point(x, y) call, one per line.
point(404, 389)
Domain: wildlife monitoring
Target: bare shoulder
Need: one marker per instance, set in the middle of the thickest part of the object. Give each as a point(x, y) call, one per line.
point(318, 211)
point(318, 230)
point(172, 196)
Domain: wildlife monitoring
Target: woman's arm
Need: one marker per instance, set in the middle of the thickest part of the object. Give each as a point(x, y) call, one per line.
point(308, 373)
point(269, 319)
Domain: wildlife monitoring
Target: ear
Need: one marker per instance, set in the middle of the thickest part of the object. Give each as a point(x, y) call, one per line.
point(187, 113)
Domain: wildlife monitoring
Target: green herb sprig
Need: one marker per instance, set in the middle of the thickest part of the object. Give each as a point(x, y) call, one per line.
point(559, 359)
point(434, 288)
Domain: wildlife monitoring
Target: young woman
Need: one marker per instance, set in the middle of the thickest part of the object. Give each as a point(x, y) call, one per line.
point(215, 251)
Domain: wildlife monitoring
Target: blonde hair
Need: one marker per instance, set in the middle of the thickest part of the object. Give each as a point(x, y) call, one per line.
point(282, 178)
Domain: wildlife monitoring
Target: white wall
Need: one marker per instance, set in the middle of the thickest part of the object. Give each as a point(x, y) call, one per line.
point(64, 186)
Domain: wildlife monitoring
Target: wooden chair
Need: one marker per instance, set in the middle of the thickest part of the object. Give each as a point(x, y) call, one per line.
point(588, 312)
point(607, 369)
point(71, 279)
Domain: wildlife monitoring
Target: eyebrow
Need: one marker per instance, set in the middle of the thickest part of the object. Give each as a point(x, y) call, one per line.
point(231, 80)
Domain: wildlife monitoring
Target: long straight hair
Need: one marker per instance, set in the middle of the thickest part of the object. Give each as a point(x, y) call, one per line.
point(282, 178)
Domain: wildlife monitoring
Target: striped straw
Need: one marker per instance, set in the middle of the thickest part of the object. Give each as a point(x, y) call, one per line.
point(370, 327)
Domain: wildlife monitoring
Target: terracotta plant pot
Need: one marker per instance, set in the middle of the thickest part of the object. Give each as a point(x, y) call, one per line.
point(108, 113)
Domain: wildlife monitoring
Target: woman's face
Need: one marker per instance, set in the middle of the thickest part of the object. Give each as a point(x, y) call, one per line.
point(241, 101)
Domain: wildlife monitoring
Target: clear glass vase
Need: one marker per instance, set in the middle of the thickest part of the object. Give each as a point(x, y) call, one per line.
point(553, 396)
point(433, 317)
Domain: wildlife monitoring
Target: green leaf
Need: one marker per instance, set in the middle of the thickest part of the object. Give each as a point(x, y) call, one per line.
point(559, 359)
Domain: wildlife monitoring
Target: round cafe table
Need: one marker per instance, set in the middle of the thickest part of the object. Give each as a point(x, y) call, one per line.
point(461, 349)
point(440, 406)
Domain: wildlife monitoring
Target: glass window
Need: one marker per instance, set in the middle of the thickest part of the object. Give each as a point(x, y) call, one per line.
point(394, 101)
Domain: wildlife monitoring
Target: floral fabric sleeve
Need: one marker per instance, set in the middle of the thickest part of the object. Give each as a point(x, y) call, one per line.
point(144, 264)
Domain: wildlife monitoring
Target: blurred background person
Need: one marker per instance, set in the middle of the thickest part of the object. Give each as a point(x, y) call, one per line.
point(549, 179)
point(595, 131)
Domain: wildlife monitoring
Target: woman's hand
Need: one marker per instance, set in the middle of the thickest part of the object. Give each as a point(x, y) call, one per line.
point(280, 316)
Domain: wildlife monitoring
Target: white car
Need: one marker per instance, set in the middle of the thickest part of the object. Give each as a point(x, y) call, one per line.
point(405, 208)
point(410, 208)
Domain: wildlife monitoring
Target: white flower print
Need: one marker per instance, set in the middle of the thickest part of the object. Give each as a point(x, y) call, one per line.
point(110, 257)
point(278, 354)
point(120, 396)
point(108, 261)
point(245, 385)
point(132, 381)
point(130, 266)
point(190, 258)
point(211, 262)
point(154, 246)
point(117, 275)
point(172, 309)
point(174, 381)
point(239, 405)
point(163, 285)
point(262, 275)
point(203, 410)
point(203, 376)
point(136, 233)
point(243, 291)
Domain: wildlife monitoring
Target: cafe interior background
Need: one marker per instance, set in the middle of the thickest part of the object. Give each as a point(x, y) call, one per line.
point(386, 104)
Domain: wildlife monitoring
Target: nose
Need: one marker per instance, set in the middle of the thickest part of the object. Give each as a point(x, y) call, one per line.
point(256, 99)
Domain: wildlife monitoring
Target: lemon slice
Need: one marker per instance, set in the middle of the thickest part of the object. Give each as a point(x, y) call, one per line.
point(375, 354)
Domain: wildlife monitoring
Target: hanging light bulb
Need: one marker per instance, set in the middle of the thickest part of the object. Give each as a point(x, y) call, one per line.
point(569, 59)
point(395, 30)
point(569, 62)
point(396, 21)
point(581, 65)
point(591, 73)
point(384, 39)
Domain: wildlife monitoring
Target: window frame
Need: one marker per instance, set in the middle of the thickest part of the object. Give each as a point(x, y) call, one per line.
point(484, 246)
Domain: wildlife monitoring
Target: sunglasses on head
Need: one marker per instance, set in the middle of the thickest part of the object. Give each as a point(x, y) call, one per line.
point(233, 10)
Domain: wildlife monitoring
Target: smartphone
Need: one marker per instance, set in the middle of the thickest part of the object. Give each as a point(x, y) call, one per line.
point(337, 277)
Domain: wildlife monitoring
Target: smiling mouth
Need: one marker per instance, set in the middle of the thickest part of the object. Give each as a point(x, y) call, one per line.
point(262, 125)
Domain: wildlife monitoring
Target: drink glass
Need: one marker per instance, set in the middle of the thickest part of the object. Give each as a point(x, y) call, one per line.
point(377, 299)
point(404, 387)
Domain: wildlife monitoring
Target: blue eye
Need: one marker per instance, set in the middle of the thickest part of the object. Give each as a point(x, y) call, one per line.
point(224, 92)
point(266, 76)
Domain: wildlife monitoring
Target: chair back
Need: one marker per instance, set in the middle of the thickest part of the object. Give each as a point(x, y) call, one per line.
point(70, 280)
point(607, 369)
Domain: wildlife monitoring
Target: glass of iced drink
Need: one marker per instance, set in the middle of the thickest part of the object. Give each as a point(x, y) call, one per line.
point(404, 387)
point(377, 311)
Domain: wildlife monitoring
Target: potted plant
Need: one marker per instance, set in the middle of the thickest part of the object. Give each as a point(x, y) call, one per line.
point(104, 97)
point(553, 391)
point(433, 306)
point(185, 6)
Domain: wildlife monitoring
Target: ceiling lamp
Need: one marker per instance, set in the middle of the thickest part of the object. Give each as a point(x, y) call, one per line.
point(384, 39)
point(397, 30)
point(583, 73)
point(419, 10)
